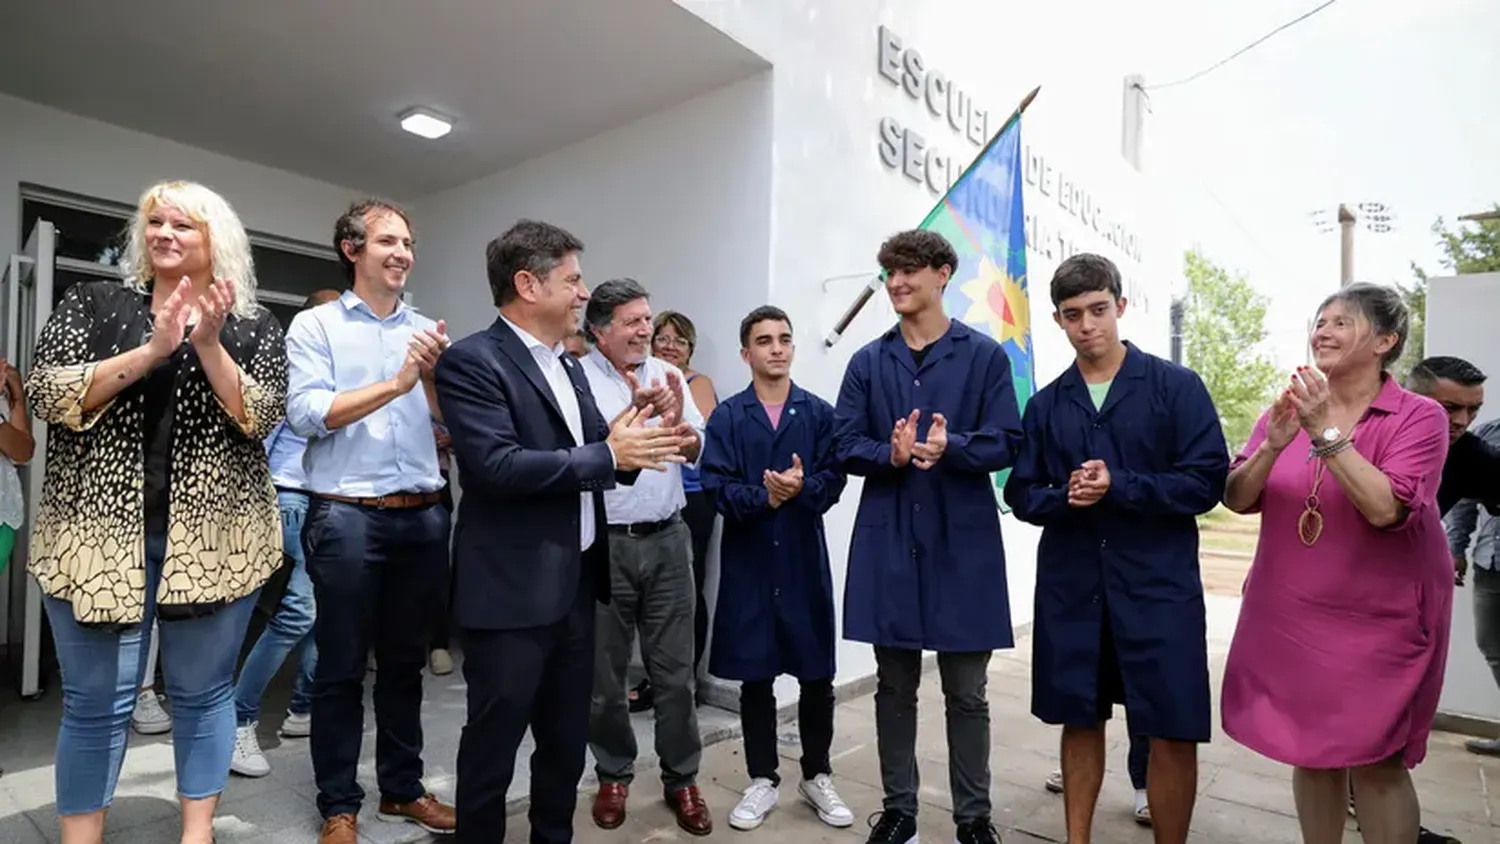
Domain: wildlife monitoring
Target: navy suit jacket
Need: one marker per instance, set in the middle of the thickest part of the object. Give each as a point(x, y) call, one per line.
point(516, 556)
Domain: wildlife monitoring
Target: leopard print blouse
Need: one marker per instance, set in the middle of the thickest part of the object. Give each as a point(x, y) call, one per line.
point(224, 531)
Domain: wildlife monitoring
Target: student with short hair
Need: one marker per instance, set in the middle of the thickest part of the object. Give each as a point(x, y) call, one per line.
point(1122, 453)
point(768, 467)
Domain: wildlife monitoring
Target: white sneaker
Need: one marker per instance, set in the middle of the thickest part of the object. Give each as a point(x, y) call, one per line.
point(1142, 809)
point(248, 760)
point(440, 662)
point(819, 792)
point(296, 725)
point(760, 798)
point(1054, 782)
point(149, 718)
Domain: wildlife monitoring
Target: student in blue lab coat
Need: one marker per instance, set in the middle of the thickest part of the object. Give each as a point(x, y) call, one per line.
point(768, 467)
point(1122, 453)
point(926, 414)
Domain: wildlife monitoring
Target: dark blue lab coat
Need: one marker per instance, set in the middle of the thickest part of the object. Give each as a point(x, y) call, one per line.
point(926, 565)
point(775, 609)
point(1133, 554)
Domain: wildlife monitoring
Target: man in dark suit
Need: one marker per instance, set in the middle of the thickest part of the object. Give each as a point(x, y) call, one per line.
point(530, 548)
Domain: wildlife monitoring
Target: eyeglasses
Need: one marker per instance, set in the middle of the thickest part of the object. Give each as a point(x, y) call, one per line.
point(662, 341)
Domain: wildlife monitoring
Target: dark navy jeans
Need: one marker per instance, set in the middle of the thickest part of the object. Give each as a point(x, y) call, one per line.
point(378, 579)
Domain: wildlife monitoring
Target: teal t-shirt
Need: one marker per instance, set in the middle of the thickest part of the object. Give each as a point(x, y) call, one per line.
point(1098, 392)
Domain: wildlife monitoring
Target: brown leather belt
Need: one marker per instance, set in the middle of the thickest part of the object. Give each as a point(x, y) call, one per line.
point(394, 501)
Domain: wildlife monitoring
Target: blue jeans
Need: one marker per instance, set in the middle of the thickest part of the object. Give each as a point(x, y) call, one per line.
point(289, 630)
point(102, 672)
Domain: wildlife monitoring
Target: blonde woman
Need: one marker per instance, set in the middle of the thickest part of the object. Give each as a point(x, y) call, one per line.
point(157, 501)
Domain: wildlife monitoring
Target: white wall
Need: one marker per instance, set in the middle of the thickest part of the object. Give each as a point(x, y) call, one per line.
point(679, 200)
point(834, 201)
point(58, 150)
point(1462, 313)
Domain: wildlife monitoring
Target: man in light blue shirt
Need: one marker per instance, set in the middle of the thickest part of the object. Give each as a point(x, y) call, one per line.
point(290, 628)
point(376, 535)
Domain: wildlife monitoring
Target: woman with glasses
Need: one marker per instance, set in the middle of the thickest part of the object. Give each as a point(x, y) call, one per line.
point(674, 340)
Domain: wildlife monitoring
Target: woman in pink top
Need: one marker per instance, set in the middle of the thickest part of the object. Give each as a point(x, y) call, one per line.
point(1338, 658)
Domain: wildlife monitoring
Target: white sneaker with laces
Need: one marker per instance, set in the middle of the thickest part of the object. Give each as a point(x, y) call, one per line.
point(760, 798)
point(819, 792)
point(296, 725)
point(149, 718)
point(248, 760)
point(1054, 782)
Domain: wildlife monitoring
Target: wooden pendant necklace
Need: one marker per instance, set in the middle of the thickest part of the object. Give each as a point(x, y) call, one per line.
point(1310, 523)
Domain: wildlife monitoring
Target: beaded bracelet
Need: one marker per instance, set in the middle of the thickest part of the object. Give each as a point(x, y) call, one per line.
point(1326, 451)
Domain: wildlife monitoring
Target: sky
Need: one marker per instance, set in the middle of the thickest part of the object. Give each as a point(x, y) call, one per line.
point(1391, 101)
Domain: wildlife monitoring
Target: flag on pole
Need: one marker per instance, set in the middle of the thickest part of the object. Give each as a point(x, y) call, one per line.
point(982, 216)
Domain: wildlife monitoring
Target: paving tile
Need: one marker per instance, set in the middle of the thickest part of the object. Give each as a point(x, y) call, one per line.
point(1221, 820)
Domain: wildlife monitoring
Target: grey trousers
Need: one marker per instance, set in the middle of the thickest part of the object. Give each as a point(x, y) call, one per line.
point(1487, 617)
point(651, 590)
point(964, 675)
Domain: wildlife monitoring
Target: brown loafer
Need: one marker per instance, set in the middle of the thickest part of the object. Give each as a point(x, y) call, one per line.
point(692, 813)
point(609, 805)
point(425, 811)
point(339, 829)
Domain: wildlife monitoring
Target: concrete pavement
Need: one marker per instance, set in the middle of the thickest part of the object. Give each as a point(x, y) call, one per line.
point(1243, 798)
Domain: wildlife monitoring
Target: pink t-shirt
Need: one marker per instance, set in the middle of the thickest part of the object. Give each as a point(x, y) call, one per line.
point(773, 412)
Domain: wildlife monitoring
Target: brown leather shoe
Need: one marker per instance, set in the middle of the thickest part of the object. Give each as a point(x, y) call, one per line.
point(692, 813)
point(425, 811)
point(339, 829)
point(609, 804)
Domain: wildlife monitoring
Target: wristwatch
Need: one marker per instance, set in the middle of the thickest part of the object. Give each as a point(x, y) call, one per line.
point(1329, 436)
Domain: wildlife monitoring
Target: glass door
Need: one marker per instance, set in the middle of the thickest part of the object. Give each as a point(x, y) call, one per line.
point(26, 301)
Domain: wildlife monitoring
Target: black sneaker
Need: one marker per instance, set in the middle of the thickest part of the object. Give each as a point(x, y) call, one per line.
point(981, 831)
point(892, 827)
point(1427, 836)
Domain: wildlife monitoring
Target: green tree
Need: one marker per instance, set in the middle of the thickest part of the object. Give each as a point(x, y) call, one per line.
point(1474, 247)
point(1415, 295)
point(1223, 327)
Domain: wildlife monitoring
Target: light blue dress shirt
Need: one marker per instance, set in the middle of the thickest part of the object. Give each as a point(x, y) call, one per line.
point(341, 346)
point(284, 450)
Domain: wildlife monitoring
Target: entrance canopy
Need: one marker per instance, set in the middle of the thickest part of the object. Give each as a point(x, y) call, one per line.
point(315, 88)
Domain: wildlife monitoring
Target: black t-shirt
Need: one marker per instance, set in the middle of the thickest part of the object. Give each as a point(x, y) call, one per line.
point(919, 355)
point(160, 388)
point(1471, 471)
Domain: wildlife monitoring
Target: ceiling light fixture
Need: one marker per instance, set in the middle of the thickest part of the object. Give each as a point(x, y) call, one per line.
point(426, 123)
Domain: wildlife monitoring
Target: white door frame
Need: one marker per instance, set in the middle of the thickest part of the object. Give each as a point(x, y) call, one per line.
point(32, 269)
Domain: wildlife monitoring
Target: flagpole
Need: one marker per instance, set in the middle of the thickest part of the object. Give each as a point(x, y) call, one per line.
point(877, 282)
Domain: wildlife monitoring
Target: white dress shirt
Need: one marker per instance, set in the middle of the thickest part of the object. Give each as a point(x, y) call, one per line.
point(655, 495)
point(551, 362)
